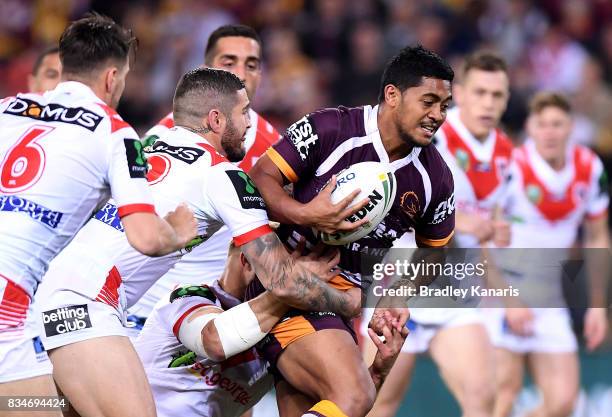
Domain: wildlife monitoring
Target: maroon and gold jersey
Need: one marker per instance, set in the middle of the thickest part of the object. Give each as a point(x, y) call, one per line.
point(327, 141)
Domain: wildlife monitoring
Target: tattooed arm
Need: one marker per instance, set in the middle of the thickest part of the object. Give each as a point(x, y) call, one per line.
point(293, 282)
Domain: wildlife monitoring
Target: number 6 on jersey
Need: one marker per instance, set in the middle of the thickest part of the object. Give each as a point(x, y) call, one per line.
point(25, 162)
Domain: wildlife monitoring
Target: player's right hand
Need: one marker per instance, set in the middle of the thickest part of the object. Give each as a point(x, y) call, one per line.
point(183, 223)
point(520, 320)
point(327, 217)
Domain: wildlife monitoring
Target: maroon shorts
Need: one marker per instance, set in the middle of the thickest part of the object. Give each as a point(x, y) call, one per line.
point(294, 326)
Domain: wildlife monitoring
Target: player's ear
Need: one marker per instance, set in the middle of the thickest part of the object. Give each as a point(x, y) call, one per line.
point(216, 120)
point(110, 78)
point(248, 269)
point(393, 95)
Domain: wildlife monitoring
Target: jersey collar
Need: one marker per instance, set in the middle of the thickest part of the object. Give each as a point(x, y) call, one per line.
point(371, 126)
point(556, 181)
point(185, 135)
point(77, 89)
point(483, 151)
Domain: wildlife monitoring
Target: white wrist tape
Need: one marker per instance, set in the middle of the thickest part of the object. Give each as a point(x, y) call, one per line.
point(190, 333)
point(238, 329)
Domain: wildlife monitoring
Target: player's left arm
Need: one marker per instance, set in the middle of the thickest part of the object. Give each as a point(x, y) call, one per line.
point(597, 253)
point(386, 353)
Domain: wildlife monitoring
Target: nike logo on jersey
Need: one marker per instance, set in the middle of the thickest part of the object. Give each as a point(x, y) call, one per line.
point(53, 112)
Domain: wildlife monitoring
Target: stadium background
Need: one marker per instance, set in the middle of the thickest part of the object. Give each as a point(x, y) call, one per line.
point(327, 52)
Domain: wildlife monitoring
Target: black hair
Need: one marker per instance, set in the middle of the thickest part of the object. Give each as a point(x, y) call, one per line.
point(89, 43)
point(216, 87)
point(227, 31)
point(410, 65)
point(50, 50)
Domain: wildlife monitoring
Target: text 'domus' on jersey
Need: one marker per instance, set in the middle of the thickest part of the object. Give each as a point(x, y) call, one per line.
point(36, 211)
point(54, 112)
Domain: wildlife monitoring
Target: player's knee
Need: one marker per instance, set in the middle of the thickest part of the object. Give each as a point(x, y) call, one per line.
point(508, 389)
point(478, 398)
point(357, 400)
point(561, 406)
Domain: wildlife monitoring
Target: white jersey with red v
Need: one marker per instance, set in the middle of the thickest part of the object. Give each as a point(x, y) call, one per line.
point(480, 169)
point(62, 155)
point(207, 261)
point(552, 202)
point(183, 168)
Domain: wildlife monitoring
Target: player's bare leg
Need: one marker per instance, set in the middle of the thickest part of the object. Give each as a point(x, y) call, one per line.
point(327, 365)
point(509, 370)
point(38, 385)
point(557, 377)
point(291, 402)
point(465, 358)
point(111, 381)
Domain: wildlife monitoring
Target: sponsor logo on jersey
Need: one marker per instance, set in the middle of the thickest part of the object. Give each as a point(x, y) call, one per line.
point(184, 153)
point(109, 216)
point(137, 162)
point(35, 211)
point(182, 358)
point(54, 112)
point(247, 192)
point(444, 209)
point(66, 319)
point(213, 378)
point(303, 136)
point(39, 349)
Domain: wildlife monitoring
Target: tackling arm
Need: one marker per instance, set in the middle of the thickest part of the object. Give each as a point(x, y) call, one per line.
point(218, 335)
point(293, 281)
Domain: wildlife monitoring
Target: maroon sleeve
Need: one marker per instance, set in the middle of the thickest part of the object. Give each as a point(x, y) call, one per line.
point(307, 143)
point(437, 225)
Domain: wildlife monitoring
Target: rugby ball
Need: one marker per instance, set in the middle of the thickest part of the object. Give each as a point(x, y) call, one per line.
point(377, 183)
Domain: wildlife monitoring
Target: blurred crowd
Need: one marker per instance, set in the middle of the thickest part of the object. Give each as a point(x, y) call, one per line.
point(327, 52)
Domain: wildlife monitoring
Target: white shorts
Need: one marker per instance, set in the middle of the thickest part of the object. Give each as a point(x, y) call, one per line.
point(68, 317)
point(552, 332)
point(22, 354)
point(421, 334)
